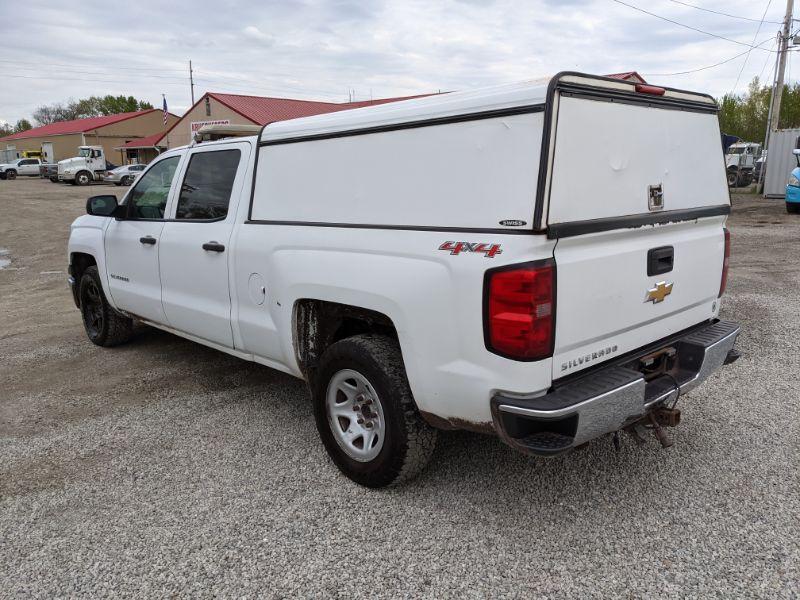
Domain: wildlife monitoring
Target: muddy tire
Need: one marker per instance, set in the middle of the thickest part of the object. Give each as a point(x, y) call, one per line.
point(83, 178)
point(365, 413)
point(104, 326)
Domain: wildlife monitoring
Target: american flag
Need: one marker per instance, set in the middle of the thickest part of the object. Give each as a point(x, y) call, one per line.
point(165, 108)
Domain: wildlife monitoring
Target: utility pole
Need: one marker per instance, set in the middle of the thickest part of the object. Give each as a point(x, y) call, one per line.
point(191, 81)
point(784, 45)
point(780, 71)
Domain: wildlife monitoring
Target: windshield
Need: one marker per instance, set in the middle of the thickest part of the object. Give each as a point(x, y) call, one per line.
point(735, 150)
point(85, 152)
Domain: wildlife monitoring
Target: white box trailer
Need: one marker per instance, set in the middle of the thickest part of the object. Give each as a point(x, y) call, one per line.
point(780, 161)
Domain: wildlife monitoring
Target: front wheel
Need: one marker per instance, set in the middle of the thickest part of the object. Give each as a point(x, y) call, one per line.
point(11, 174)
point(793, 207)
point(104, 325)
point(83, 178)
point(365, 413)
point(125, 180)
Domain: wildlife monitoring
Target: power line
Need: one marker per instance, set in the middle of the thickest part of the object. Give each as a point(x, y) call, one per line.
point(766, 62)
point(56, 78)
point(716, 12)
point(721, 37)
point(722, 62)
point(115, 67)
point(744, 63)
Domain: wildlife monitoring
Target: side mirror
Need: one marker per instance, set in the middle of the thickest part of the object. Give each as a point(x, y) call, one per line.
point(102, 206)
point(796, 151)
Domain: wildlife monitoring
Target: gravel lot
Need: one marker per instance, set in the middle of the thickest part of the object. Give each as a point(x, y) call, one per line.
point(165, 468)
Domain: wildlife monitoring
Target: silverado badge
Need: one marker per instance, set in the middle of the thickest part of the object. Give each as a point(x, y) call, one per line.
point(659, 292)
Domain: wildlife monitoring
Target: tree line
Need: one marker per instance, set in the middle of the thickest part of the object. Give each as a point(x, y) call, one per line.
point(745, 115)
point(93, 106)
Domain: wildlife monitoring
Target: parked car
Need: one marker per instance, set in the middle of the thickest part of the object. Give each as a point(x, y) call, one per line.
point(49, 171)
point(416, 268)
point(793, 187)
point(124, 175)
point(21, 166)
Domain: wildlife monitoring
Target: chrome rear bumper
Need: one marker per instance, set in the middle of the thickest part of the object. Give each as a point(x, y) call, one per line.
point(610, 398)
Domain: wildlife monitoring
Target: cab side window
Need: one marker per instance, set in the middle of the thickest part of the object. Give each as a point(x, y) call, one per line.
point(148, 198)
point(206, 189)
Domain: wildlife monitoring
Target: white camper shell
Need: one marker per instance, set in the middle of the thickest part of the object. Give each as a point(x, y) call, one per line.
point(547, 258)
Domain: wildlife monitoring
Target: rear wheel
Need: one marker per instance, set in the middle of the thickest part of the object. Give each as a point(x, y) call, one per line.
point(793, 207)
point(365, 413)
point(104, 325)
point(125, 180)
point(83, 178)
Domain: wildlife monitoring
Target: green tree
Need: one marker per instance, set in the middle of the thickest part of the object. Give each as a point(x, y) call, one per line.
point(22, 125)
point(93, 106)
point(745, 115)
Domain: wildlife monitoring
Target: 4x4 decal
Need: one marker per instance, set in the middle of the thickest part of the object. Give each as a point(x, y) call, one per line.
point(488, 250)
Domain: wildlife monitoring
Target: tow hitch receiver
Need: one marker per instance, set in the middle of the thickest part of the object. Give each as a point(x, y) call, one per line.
point(655, 421)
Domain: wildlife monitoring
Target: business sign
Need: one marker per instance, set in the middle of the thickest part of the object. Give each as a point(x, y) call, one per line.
point(194, 126)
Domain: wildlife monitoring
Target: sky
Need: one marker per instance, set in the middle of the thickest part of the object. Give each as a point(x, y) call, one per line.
point(330, 49)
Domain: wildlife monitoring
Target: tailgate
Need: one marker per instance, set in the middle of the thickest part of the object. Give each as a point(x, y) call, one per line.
point(637, 201)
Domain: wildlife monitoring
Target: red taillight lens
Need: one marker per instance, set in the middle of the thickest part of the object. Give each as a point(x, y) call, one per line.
point(643, 88)
point(727, 258)
point(520, 310)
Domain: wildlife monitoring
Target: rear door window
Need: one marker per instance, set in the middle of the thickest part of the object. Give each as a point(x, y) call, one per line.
point(206, 190)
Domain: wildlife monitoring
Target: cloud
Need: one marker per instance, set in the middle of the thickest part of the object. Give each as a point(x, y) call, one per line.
point(254, 33)
point(320, 49)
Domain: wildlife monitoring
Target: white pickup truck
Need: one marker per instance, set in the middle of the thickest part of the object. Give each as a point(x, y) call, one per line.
point(22, 166)
point(450, 262)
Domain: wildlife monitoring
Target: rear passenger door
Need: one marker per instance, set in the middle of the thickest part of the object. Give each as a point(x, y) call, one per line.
point(194, 254)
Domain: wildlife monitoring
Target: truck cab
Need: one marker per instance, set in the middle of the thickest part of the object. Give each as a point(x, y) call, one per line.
point(740, 163)
point(88, 166)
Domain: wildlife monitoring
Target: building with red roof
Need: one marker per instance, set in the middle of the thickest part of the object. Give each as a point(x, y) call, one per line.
point(61, 140)
point(236, 109)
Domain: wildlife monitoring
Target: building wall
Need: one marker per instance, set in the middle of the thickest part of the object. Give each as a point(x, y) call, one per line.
point(118, 134)
point(181, 134)
point(109, 137)
point(64, 146)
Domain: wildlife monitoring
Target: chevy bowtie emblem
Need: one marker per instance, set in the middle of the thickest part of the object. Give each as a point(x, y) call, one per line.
point(658, 293)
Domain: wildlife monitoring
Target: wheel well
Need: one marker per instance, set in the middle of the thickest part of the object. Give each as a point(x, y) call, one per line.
point(78, 263)
point(319, 323)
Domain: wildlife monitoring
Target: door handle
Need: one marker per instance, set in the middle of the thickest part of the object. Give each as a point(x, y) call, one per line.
point(214, 247)
point(660, 260)
point(148, 240)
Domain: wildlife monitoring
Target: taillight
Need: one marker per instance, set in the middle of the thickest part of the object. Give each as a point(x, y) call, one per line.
point(725, 261)
point(519, 310)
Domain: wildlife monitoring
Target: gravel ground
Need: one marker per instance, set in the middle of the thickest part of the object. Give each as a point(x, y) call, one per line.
point(166, 468)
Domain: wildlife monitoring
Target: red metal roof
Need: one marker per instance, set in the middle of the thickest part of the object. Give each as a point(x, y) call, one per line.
point(76, 126)
point(146, 142)
point(262, 110)
point(628, 76)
